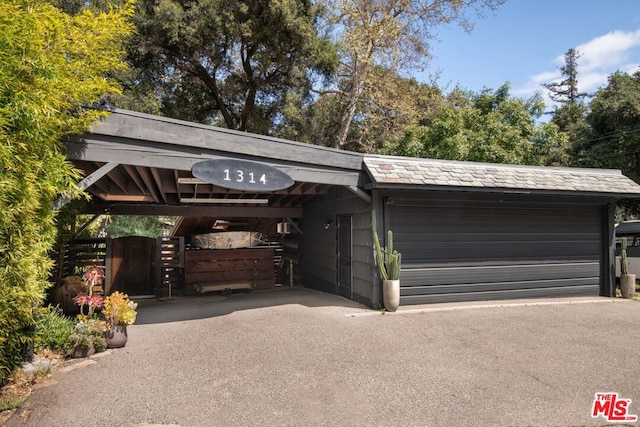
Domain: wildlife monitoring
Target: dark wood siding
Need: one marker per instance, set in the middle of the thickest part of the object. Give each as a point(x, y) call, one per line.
point(319, 261)
point(463, 248)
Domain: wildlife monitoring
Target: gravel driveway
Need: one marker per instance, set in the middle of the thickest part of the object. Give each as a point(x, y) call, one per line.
point(296, 357)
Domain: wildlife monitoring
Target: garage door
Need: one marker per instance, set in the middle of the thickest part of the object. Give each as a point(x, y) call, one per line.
point(479, 250)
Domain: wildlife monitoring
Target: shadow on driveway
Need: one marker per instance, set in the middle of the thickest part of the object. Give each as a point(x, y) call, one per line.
point(178, 309)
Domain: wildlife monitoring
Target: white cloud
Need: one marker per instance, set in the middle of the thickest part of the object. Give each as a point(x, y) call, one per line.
point(604, 51)
point(599, 58)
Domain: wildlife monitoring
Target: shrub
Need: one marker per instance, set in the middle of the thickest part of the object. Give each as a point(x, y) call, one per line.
point(48, 68)
point(53, 329)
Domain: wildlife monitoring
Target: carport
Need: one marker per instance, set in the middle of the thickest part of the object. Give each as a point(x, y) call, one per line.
point(139, 164)
point(467, 231)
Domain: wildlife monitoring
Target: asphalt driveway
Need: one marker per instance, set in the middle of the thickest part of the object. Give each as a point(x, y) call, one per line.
point(296, 357)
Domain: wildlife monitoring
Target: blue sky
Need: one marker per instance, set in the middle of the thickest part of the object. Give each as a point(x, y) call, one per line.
point(525, 41)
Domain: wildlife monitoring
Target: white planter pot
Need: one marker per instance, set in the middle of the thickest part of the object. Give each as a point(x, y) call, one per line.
point(628, 285)
point(391, 294)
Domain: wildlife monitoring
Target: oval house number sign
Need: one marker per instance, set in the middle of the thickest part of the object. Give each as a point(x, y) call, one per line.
point(241, 175)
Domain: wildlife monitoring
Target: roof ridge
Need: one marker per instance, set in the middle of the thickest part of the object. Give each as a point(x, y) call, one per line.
point(466, 163)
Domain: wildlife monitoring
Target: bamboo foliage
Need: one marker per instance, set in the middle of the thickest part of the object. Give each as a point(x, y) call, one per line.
point(51, 64)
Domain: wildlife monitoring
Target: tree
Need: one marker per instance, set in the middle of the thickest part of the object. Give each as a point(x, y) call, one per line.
point(487, 127)
point(389, 109)
point(380, 34)
point(613, 140)
point(566, 91)
point(124, 225)
point(569, 113)
point(226, 63)
point(51, 64)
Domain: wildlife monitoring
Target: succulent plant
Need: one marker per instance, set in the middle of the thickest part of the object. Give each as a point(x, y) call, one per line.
point(388, 259)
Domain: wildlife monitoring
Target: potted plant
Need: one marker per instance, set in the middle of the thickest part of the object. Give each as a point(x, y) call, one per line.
point(88, 338)
point(119, 311)
point(388, 261)
point(627, 281)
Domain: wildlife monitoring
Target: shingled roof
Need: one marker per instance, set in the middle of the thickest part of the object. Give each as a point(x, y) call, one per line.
point(387, 171)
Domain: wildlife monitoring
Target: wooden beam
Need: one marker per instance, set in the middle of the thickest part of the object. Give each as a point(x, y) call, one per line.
point(123, 178)
point(95, 176)
point(158, 180)
point(148, 180)
point(150, 154)
point(225, 201)
point(220, 211)
point(358, 192)
point(85, 183)
point(184, 135)
point(114, 197)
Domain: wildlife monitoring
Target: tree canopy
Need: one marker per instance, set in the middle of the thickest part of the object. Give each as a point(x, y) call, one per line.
point(226, 63)
point(51, 64)
point(613, 136)
point(373, 36)
point(286, 67)
point(490, 126)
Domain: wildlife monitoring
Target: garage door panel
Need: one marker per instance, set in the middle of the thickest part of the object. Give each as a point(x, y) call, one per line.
point(463, 252)
point(463, 225)
point(564, 291)
point(495, 251)
point(492, 236)
point(500, 273)
point(497, 286)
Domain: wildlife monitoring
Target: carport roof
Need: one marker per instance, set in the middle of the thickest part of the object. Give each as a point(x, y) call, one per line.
point(394, 172)
point(138, 163)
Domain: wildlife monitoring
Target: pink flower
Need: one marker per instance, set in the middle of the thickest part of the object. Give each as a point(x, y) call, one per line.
point(96, 301)
point(94, 275)
point(81, 299)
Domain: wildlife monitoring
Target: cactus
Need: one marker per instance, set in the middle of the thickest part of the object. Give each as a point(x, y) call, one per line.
point(624, 267)
point(388, 259)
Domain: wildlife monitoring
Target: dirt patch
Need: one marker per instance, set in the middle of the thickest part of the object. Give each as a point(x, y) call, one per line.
point(24, 380)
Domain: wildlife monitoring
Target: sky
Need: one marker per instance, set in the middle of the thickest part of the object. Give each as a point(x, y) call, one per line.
point(524, 43)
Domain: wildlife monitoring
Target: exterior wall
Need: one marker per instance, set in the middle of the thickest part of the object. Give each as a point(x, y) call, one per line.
point(319, 251)
point(473, 246)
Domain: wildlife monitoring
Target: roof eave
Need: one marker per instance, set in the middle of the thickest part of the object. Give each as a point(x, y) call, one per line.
point(549, 192)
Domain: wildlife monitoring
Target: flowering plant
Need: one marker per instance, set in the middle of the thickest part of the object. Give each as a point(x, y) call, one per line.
point(93, 276)
point(118, 309)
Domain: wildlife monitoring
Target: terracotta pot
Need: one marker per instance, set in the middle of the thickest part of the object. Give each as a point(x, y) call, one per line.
point(628, 285)
point(117, 336)
point(391, 294)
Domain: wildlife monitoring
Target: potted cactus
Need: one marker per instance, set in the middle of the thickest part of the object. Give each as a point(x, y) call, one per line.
point(388, 261)
point(627, 281)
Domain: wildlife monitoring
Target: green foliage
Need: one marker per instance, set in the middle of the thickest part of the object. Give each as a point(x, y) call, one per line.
point(11, 401)
point(123, 225)
point(88, 333)
point(50, 65)
point(490, 126)
point(566, 91)
point(52, 329)
point(225, 63)
point(624, 265)
point(614, 135)
point(379, 39)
